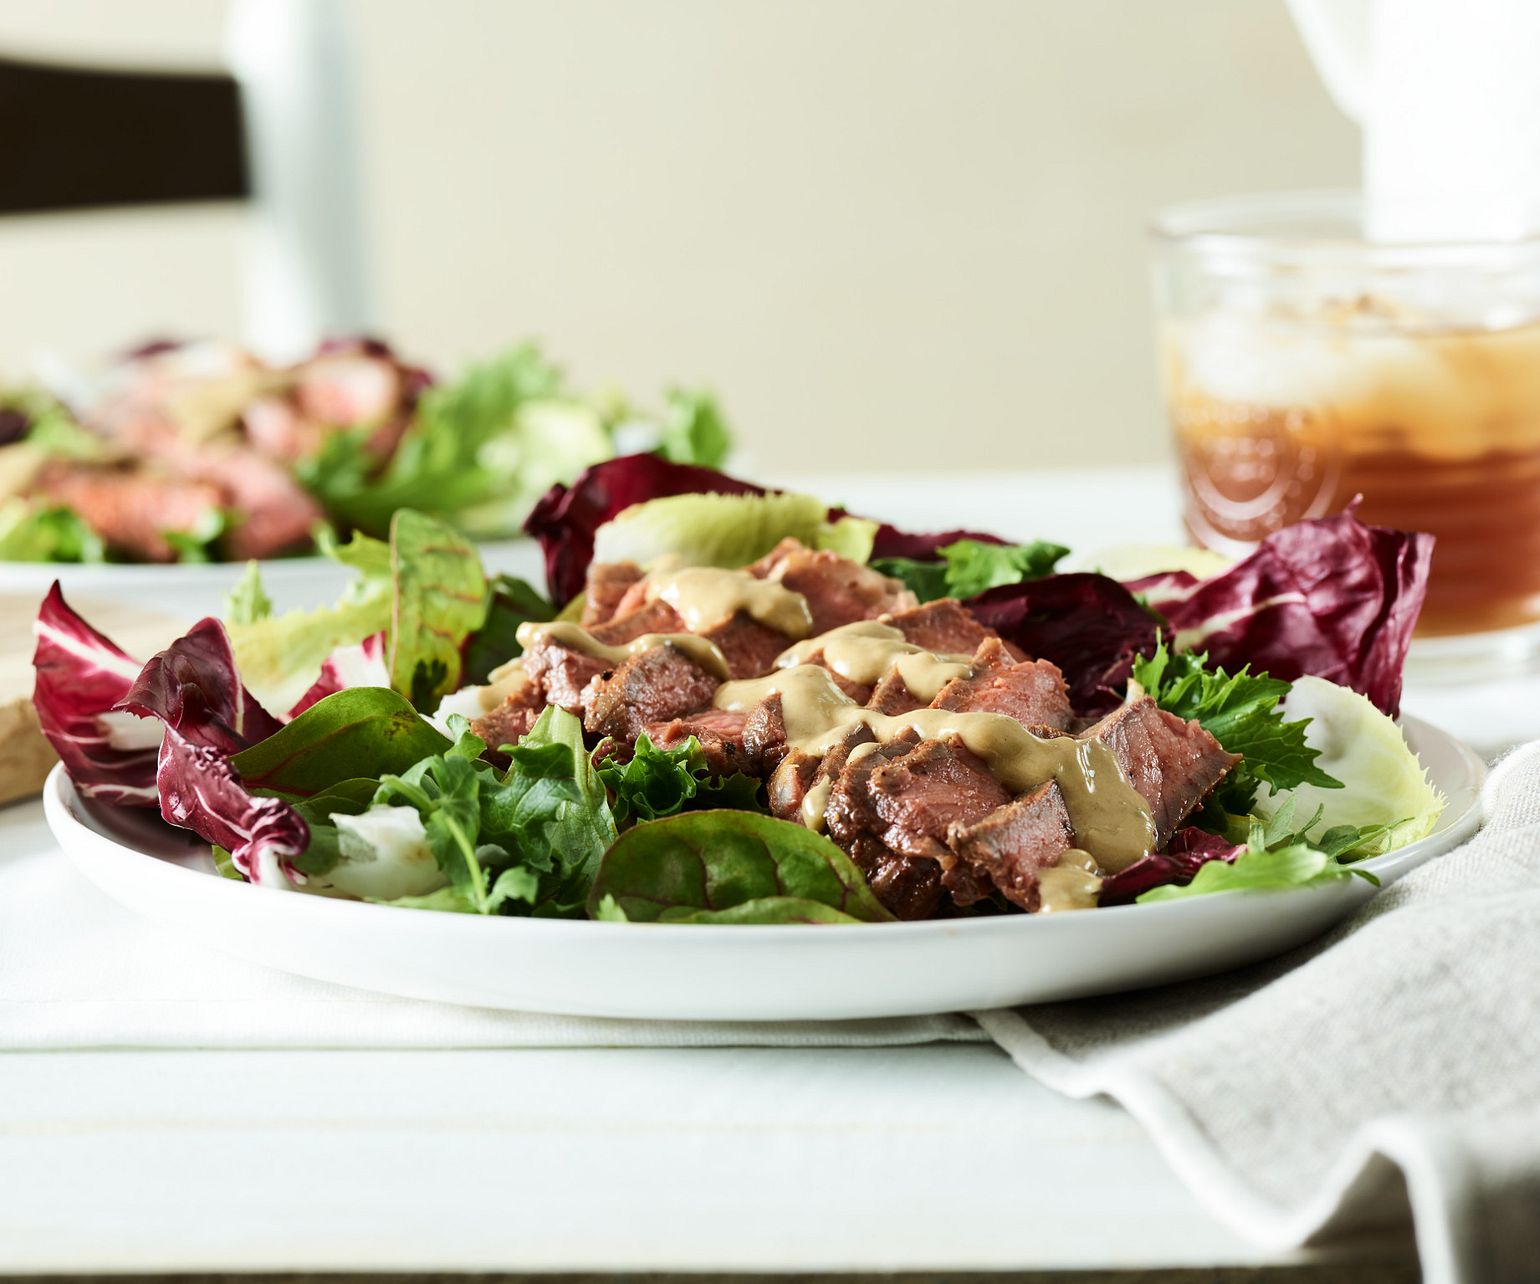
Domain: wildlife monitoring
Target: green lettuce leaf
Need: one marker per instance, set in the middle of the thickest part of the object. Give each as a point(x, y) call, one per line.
point(970, 567)
point(729, 866)
point(29, 533)
point(482, 448)
point(358, 733)
point(526, 840)
point(692, 430)
point(203, 542)
point(727, 530)
point(663, 782)
point(511, 603)
point(440, 599)
point(1241, 711)
point(279, 656)
point(1275, 858)
point(247, 601)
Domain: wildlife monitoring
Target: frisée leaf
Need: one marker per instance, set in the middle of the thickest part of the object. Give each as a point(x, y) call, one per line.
point(1243, 712)
point(663, 782)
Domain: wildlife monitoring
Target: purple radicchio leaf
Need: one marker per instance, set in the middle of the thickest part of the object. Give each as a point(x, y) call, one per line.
point(565, 519)
point(81, 676)
point(200, 790)
point(193, 687)
point(359, 665)
point(1090, 626)
point(1331, 597)
point(1188, 851)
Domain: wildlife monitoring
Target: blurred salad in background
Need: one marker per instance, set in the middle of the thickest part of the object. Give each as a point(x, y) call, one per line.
point(200, 451)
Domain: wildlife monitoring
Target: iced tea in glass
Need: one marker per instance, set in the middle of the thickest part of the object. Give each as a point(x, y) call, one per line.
point(1304, 366)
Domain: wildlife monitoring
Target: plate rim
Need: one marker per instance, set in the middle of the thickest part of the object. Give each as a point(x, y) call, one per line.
point(61, 801)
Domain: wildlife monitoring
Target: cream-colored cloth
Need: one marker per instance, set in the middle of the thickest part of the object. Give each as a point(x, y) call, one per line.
point(1391, 1068)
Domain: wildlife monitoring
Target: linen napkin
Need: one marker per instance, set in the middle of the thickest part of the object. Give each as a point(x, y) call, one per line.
point(1391, 1067)
point(79, 971)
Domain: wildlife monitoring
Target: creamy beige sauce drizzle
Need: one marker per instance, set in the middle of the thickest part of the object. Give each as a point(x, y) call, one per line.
point(1107, 813)
point(706, 597)
point(1074, 883)
point(867, 651)
point(575, 638)
point(814, 803)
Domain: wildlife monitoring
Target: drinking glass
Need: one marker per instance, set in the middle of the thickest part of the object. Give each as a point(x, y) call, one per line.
point(1304, 365)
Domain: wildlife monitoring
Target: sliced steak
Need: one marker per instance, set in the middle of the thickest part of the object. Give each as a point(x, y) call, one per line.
point(919, 797)
point(789, 783)
point(764, 736)
point(1006, 849)
point(130, 508)
point(909, 887)
point(748, 646)
point(838, 590)
point(656, 686)
point(943, 626)
point(1033, 691)
point(606, 586)
point(653, 617)
point(719, 732)
point(561, 674)
point(274, 515)
point(891, 696)
point(511, 720)
point(1173, 764)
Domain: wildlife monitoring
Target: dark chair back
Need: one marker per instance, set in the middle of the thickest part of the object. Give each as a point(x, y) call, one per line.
point(85, 138)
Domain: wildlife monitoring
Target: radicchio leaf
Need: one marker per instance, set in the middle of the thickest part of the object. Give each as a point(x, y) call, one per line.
point(1331, 597)
point(565, 519)
point(194, 688)
point(922, 547)
point(81, 677)
point(359, 665)
point(1090, 626)
point(1189, 850)
point(200, 791)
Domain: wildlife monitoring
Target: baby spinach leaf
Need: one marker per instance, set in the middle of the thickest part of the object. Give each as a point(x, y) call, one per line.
point(511, 603)
point(711, 862)
point(926, 580)
point(362, 731)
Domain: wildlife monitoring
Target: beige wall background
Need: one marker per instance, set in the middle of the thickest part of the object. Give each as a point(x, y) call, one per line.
point(890, 233)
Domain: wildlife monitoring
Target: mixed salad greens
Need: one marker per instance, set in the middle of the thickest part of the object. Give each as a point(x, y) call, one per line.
point(363, 784)
point(201, 452)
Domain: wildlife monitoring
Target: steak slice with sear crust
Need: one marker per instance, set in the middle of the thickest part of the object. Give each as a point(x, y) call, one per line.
point(943, 626)
point(1033, 692)
point(657, 685)
point(1008, 848)
point(1173, 764)
point(606, 585)
point(920, 796)
point(719, 733)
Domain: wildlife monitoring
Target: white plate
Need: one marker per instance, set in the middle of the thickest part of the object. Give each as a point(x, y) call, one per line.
point(196, 590)
point(719, 973)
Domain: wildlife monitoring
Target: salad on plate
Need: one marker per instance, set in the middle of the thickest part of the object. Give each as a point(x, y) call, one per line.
point(733, 705)
point(198, 452)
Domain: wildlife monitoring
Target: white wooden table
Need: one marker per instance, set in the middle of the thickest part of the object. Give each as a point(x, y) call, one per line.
point(930, 1160)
